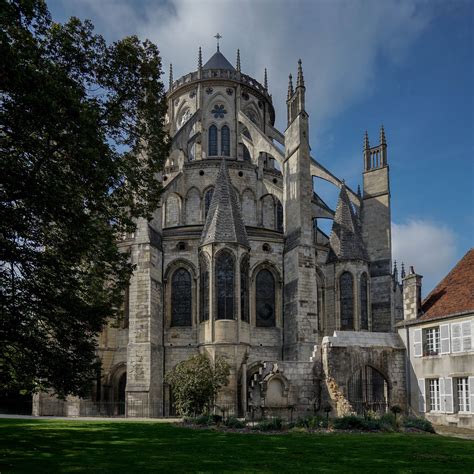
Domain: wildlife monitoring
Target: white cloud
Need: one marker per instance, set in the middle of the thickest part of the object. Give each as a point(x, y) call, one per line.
point(339, 42)
point(428, 246)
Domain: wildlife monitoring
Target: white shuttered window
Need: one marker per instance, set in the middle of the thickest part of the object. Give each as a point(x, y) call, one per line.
point(421, 396)
point(444, 339)
point(417, 343)
point(456, 339)
point(466, 336)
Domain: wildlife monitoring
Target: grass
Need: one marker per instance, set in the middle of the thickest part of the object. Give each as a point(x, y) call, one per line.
point(56, 446)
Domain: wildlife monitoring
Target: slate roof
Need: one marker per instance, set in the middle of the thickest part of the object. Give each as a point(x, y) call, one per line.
point(218, 61)
point(224, 221)
point(346, 236)
point(454, 294)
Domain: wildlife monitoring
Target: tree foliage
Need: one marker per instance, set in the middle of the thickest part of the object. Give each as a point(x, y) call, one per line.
point(81, 140)
point(195, 383)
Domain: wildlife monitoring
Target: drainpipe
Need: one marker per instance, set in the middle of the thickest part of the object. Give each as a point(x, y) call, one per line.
point(407, 367)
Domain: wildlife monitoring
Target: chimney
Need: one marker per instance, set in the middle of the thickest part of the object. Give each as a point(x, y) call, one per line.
point(411, 295)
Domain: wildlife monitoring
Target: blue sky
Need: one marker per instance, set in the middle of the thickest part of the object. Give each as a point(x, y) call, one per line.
point(406, 64)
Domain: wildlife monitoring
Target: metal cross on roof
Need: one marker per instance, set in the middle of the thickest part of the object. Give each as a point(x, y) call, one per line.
point(218, 37)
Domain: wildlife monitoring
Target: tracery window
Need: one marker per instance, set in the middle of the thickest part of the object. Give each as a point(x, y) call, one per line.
point(265, 295)
point(364, 310)
point(204, 291)
point(181, 298)
point(346, 292)
point(225, 141)
point(279, 216)
point(225, 286)
point(207, 201)
point(244, 290)
point(212, 140)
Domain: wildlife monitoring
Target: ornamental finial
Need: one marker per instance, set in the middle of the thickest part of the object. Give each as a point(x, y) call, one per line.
point(300, 80)
point(171, 76)
point(265, 80)
point(383, 141)
point(200, 58)
point(290, 87)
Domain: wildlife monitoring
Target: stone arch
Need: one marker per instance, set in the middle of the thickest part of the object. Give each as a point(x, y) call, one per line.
point(172, 214)
point(368, 389)
point(249, 207)
point(254, 115)
point(115, 389)
point(275, 388)
point(193, 206)
point(183, 114)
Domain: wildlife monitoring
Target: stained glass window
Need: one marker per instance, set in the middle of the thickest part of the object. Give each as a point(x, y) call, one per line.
point(364, 310)
point(218, 111)
point(207, 201)
point(265, 294)
point(346, 291)
point(225, 141)
point(212, 140)
point(244, 290)
point(225, 286)
point(246, 154)
point(279, 216)
point(181, 299)
point(204, 291)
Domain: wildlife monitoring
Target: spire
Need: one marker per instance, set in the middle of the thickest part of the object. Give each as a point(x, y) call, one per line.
point(300, 80)
point(224, 221)
point(200, 58)
point(290, 87)
point(171, 76)
point(265, 80)
point(238, 61)
point(358, 191)
point(346, 238)
point(403, 275)
point(366, 141)
point(383, 141)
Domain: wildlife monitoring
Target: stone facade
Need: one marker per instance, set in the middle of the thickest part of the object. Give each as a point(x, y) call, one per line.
point(233, 263)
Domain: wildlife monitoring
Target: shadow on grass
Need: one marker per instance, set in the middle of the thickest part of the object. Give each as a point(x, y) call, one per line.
point(37, 446)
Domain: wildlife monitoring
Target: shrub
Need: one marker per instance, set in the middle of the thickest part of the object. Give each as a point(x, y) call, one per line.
point(418, 423)
point(389, 419)
point(202, 420)
point(215, 419)
point(354, 422)
point(233, 422)
point(312, 422)
point(273, 424)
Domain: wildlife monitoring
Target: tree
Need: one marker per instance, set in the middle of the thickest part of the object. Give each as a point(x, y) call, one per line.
point(82, 137)
point(195, 383)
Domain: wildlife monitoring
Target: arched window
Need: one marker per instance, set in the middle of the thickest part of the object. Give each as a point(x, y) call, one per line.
point(212, 140)
point(364, 310)
point(265, 294)
point(225, 286)
point(204, 291)
point(207, 201)
point(346, 292)
point(225, 141)
point(181, 298)
point(279, 216)
point(244, 290)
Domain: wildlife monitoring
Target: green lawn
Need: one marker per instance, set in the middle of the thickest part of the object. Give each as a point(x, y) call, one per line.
point(52, 446)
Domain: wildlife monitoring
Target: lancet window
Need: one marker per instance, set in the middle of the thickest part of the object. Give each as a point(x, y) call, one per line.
point(181, 298)
point(265, 295)
point(225, 285)
point(346, 292)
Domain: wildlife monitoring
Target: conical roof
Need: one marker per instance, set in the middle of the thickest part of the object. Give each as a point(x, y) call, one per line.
point(346, 236)
point(224, 221)
point(218, 61)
